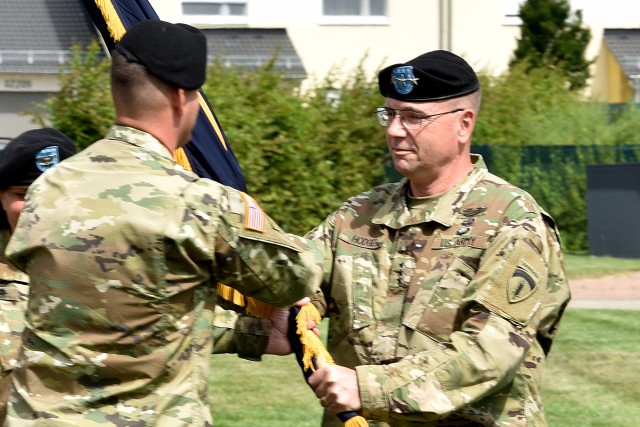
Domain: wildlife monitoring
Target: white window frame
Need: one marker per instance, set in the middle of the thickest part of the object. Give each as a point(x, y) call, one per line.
point(510, 12)
point(216, 19)
point(362, 19)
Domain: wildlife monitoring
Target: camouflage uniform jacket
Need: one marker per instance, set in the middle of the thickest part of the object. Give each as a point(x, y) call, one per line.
point(14, 292)
point(446, 310)
point(124, 248)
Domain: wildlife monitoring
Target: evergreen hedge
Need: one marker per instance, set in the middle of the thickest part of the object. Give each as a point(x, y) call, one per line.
point(303, 154)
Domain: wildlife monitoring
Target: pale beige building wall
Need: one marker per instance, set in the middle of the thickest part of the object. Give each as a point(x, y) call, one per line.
point(481, 35)
point(411, 27)
point(476, 30)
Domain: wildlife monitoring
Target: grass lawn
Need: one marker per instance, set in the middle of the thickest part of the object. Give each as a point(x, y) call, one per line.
point(593, 372)
point(271, 393)
point(583, 266)
point(592, 377)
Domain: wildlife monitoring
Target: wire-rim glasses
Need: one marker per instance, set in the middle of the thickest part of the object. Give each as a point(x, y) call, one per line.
point(411, 120)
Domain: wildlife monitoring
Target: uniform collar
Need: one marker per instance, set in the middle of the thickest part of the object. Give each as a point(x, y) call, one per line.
point(395, 213)
point(139, 138)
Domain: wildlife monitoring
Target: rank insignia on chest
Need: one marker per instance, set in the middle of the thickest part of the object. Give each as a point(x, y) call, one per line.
point(469, 212)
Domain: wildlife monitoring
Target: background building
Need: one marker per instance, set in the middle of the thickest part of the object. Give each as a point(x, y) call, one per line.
point(314, 37)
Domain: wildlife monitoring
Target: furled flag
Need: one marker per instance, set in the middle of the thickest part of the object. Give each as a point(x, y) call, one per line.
point(208, 154)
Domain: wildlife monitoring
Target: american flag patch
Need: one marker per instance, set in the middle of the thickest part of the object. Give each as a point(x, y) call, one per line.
point(254, 218)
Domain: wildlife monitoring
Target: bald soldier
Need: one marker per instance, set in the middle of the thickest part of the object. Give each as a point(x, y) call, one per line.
point(125, 247)
point(443, 291)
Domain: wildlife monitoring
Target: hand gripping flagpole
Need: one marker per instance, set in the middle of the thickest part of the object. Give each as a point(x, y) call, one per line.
point(311, 353)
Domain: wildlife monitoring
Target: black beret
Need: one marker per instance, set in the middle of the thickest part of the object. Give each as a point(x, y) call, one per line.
point(175, 53)
point(31, 153)
point(432, 76)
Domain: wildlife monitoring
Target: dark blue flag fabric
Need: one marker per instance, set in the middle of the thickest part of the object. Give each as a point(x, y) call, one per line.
point(208, 154)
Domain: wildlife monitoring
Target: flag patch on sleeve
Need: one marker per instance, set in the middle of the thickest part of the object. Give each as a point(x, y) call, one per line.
point(254, 218)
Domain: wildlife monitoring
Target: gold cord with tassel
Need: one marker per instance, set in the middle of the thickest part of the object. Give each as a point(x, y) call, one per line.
point(312, 347)
point(357, 421)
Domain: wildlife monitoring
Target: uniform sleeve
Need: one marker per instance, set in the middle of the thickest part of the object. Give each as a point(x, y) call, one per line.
point(515, 295)
point(238, 333)
point(322, 236)
point(252, 254)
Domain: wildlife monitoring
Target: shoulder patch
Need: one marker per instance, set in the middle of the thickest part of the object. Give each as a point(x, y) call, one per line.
point(516, 292)
point(254, 218)
point(523, 282)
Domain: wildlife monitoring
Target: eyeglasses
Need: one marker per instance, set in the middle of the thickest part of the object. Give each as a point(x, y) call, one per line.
point(411, 120)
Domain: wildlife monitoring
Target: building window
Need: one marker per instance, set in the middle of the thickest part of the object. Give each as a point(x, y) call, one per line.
point(511, 12)
point(354, 12)
point(354, 7)
point(215, 8)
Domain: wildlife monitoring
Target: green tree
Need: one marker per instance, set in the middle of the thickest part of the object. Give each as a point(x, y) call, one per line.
point(83, 108)
point(552, 37)
point(302, 154)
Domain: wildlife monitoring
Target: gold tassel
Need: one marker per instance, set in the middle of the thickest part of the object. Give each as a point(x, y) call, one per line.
point(312, 347)
point(311, 344)
point(111, 18)
point(181, 158)
point(258, 308)
point(251, 306)
point(357, 421)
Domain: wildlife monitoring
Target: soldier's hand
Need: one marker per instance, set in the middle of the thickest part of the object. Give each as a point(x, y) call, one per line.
point(278, 340)
point(337, 388)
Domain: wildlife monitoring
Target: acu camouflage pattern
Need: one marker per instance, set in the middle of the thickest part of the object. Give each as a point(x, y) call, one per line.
point(14, 293)
point(124, 248)
point(446, 310)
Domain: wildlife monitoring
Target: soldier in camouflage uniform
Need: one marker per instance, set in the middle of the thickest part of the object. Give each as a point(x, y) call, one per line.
point(444, 291)
point(124, 248)
point(23, 160)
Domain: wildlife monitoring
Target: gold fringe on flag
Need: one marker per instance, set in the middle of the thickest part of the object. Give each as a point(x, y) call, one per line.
point(251, 306)
point(181, 158)
point(357, 421)
point(112, 19)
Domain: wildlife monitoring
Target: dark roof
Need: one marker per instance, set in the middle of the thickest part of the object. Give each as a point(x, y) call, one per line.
point(625, 46)
point(36, 35)
point(253, 47)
